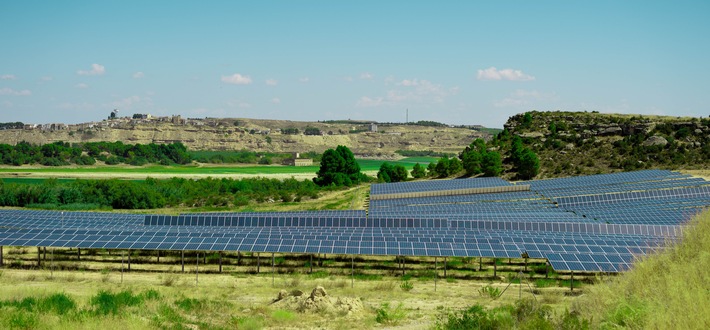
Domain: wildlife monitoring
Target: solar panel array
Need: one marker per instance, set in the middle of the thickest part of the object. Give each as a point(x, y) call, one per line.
point(595, 223)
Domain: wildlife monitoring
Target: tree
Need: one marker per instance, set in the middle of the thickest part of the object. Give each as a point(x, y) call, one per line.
point(528, 166)
point(338, 167)
point(389, 173)
point(418, 171)
point(491, 164)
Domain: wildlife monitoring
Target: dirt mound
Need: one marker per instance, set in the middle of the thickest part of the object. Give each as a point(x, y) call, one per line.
point(318, 302)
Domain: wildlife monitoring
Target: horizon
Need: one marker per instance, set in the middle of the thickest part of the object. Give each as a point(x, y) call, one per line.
point(458, 63)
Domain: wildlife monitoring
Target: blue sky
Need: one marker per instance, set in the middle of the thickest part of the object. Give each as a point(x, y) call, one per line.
point(467, 62)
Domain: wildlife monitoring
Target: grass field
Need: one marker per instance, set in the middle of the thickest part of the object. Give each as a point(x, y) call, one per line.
point(31, 174)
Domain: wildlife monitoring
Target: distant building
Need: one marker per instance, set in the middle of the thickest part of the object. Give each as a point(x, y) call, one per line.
point(373, 127)
point(295, 161)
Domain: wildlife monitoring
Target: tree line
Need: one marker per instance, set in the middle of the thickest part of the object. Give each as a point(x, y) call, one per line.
point(112, 153)
point(152, 193)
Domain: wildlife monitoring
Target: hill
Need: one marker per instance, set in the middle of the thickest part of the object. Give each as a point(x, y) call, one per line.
point(578, 143)
point(258, 135)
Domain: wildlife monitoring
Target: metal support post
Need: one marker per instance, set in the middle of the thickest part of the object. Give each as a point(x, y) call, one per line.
point(129, 260)
point(444, 267)
point(182, 260)
point(220, 261)
point(311, 264)
point(39, 257)
point(122, 254)
point(436, 272)
point(197, 267)
point(78, 254)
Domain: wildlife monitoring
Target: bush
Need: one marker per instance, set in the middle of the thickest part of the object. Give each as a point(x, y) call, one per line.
point(388, 315)
point(406, 286)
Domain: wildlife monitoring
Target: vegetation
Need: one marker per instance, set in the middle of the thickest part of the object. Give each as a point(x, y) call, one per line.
point(418, 171)
point(112, 153)
point(392, 173)
point(421, 153)
point(477, 159)
point(339, 168)
point(15, 125)
point(235, 157)
point(152, 193)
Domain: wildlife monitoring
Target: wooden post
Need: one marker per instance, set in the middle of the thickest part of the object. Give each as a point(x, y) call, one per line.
point(39, 256)
point(220, 261)
point(45, 254)
point(182, 260)
point(157, 255)
point(444, 266)
point(571, 281)
point(273, 268)
point(526, 265)
point(239, 258)
point(1, 262)
point(258, 263)
point(204, 255)
point(78, 254)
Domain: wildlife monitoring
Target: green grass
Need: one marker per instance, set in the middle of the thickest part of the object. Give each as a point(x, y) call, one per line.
point(668, 290)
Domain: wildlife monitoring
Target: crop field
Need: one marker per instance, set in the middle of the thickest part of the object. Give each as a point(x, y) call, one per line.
point(31, 173)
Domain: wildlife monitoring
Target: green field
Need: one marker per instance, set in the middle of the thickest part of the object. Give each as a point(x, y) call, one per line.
point(14, 174)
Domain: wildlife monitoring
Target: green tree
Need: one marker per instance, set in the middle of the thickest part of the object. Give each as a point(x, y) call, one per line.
point(528, 166)
point(338, 167)
point(418, 171)
point(491, 164)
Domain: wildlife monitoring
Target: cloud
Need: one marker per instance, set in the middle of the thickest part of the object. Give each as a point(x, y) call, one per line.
point(523, 97)
point(236, 79)
point(81, 86)
point(276, 100)
point(366, 76)
point(367, 102)
point(409, 91)
point(138, 75)
point(348, 78)
point(272, 82)
point(10, 91)
point(506, 74)
point(304, 79)
point(96, 70)
point(8, 77)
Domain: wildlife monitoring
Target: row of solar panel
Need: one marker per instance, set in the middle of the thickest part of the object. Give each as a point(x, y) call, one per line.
point(700, 191)
point(280, 221)
point(419, 186)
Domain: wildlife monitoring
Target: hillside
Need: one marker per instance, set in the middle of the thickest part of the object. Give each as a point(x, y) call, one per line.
point(256, 135)
point(577, 143)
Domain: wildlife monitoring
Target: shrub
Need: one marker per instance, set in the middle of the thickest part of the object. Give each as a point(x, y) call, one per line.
point(388, 315)
point(406, 286)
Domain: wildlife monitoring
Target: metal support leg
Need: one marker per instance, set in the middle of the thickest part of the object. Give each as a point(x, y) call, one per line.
point(129, 260)
point(436, 271)
point(220, 261)
point(197, 268)
point(495, 267)
point(273, 268)
point(444, 266)
point(39, 257)
point(78, 254)
point(1, 261)
point(311, 264)
point(182, 260)
point(352, 272)
point(258, 263)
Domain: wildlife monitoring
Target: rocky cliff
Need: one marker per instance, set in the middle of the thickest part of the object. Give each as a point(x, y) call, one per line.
point(572, 143)
point(257, 135)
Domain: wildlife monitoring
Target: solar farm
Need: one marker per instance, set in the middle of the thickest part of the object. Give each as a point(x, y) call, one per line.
point(598, 223)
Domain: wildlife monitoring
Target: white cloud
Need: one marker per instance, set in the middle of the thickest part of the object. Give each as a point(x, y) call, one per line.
point(506, 74)
point(10, 91)
point(304, 79)
point(138, 75)
point(236, 79)
point(8, 77)
point(366, 76)
point(82, 86)
point(418, 91)
point(407, 82)
point(367, 102)
point(96, 70)
point(272, 82)
point(276, 100)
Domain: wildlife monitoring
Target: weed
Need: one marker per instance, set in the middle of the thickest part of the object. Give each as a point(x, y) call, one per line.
point(384, 286)
point(23, 320)
point(388, 315)
point(168, 279)
point(105, 302)
point(282, 316)
point(406, 286)
point(489, 291)
point(545, 283)
point(248, 322)
point(189, 304)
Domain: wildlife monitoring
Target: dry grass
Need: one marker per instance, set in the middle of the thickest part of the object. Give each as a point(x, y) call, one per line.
point(669, 290)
